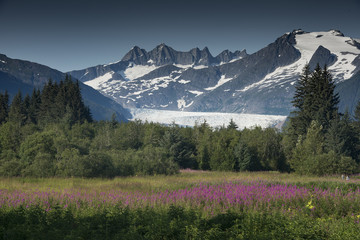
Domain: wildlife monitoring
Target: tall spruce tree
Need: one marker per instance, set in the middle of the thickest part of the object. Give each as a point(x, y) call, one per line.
point(34, 109)
point(301, 118)
point(4, 107)
point(323, 101)
point(48, 110)
point(16, 112)
point(26, 108)
point(314, 99)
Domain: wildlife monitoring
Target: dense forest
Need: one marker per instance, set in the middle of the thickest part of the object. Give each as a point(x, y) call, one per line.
point(51, 133)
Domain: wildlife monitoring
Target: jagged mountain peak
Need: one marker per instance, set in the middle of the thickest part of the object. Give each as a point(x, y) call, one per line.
point(298, 31)
point(136, 55)
point(228, 56)
point(262, 82)
point(163, 54)
point(162, 45)
point(336, 32)
point(206, 49)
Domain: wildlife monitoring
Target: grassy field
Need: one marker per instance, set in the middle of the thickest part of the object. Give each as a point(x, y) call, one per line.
point(189, 205)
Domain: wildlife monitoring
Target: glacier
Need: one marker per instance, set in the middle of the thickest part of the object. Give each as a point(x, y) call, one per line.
point(214, 119)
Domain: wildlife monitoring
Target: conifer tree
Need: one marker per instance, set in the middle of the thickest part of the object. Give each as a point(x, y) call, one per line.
point(48, 111)
point(301, 119)
point(314, 99)
point(232, 125)
point(16, 112)
point(323, 101)
point(26, 106)
point(356, 123)
point(34, 108)
point(342, 138)
point(4, 107)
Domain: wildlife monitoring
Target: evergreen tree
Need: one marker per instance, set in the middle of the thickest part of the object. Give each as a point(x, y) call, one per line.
point(26, 108)
point(34, 108)
point(304, 157)
point(246, 160)
point(48, 110)
point(16, 112)
point(301, 117)
point(180, 150)
point(232, 125)
point(356, 123)
point(314, 100)
point(203, 138)
point(324, 100)
point(4, 107)
point(80, 112)
point(341, 137)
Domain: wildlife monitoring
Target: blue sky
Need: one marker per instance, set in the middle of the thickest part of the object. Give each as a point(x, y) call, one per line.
point(68, 35)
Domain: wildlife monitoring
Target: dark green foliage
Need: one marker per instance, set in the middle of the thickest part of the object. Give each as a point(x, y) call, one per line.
point(97, 164)
point(222, 150)
point(341, 137)
point(318, 140)
point(4, 107)
point(55, 103)
point(265, 148)
point(170, 223)
point(232, 125)
point(246, 159)
point(63, 100)
point(314, 99)
point(179, 148)
point(203, 137)
point(17, 112)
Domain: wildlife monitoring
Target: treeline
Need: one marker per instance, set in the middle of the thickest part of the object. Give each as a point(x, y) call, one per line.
point(108, 149)
point(56, 102)
point(317, 139)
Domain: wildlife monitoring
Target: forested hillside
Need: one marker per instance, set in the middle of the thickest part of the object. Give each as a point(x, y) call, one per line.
point(51, 133)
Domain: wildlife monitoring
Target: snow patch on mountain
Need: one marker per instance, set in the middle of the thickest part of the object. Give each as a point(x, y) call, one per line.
point(137, 71)
point(197, 93)
point(181, 103)
point(183, 66)
point(214, 119)
point(337, 44)
point(184, 81)
point(221, 81)
point(307, 44)
point(200, 67)
point(97, 83)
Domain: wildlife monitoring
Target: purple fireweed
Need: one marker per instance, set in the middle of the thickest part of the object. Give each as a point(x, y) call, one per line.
point(209, 198)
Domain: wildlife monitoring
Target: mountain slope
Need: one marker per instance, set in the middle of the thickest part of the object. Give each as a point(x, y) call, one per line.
point(262, 82)
point(22, 75)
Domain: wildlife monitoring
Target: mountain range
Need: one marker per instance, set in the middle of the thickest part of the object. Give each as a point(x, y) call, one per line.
point(22, 75)
point(236, 82)
point(262, 82)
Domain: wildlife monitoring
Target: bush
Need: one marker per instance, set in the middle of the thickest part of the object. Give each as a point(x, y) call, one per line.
point(154, 160)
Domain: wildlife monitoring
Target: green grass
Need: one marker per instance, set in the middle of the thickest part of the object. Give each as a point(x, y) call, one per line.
point(173, 182)
point(178, 222)
point(161, 182)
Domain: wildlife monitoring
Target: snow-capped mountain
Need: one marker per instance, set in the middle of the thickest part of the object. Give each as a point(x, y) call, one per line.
point(262, 82)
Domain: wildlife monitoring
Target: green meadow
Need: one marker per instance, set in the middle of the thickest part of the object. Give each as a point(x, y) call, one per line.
point(188, 205)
